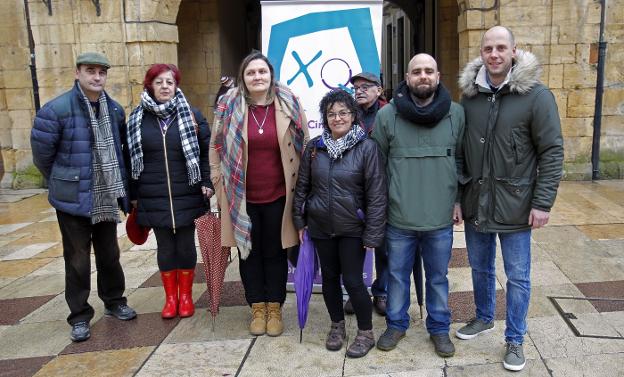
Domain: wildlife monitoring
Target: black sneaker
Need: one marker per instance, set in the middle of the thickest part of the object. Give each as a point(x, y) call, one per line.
point(389, 339)
point(80, 331)
point(348, 307)
point(121, 311)
point(443, 345)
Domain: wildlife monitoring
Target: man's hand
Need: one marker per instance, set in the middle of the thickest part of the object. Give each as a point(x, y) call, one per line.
point(538, 219)
point(134, 203)
point(457, 215)
point(208, 192)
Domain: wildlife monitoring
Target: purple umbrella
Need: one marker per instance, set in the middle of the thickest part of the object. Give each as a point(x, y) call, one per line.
point(305, 273)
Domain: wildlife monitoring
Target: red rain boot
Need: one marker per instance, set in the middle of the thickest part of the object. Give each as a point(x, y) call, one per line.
point(185, 282)
point(170, 283)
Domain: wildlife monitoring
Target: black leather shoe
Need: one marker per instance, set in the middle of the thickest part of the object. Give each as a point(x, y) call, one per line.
point(121, 311)
point(389, 339)
point(379, 303)
point(80, 331)
point(443, 345)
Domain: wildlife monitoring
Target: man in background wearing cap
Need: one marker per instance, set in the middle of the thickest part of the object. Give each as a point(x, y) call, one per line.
point(420, 133)
point(368, 94)
point(77, 143)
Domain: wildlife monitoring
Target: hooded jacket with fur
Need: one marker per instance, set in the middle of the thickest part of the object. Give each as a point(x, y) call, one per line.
point(513, 146)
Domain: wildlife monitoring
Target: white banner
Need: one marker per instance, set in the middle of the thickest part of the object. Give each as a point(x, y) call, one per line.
point(316, 46)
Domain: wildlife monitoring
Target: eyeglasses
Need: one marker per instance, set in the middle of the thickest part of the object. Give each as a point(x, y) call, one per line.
point(363, 87)
point(340, 114)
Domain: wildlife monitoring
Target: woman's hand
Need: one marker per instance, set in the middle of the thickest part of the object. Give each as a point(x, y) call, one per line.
point(301, 235)
point(207, 191)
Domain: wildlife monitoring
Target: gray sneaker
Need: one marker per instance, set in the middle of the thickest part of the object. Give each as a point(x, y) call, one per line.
point(514, 357)
point(389, 339)
point(473, 328)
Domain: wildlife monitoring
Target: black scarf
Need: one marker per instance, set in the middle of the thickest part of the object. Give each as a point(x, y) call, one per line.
point(427, 116)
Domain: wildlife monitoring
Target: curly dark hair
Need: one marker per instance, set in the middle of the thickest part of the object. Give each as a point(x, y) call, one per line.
point(342, 97)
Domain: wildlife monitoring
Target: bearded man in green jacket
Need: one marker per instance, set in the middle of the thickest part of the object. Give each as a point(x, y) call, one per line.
point(420, 133)
point(513, 164)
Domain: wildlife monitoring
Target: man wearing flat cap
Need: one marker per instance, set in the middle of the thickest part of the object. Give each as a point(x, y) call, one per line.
point(78, 144)
point(368, 94)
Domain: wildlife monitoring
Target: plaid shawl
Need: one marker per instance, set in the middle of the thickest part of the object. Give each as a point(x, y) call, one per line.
point(108, 184)
point(177, 106)
point(228, 142)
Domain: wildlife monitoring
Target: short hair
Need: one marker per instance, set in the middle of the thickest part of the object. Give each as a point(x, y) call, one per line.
point(338, 96)
point(512, 39)
point(156, 70)
point(240, 79)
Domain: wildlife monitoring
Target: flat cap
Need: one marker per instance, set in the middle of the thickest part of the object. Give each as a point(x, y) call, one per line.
point(366, 76)
point(92, 58)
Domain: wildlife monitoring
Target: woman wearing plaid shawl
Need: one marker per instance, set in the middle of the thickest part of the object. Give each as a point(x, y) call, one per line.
point(258, 136)
point(168, 142)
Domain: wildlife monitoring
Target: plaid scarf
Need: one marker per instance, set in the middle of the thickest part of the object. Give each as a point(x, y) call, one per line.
point(335, 148)
point(108, 184)
point(228, 142)
point(186, 125)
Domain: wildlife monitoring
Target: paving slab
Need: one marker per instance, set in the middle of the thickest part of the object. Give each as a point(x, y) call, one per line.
point(533, 368)
point(40, 285)
point(34, 340)
point(606, 365)
point(119, 363)
point(267, 358)
point(542, 306)
point(219, 358)
point(554, 339)
point(57, 310)
point(230, 323)
point(23, 367)
point(19, 268)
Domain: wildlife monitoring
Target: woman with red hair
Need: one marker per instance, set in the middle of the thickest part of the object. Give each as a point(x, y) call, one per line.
point(168, 143)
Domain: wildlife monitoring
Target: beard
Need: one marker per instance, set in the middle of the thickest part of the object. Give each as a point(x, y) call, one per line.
point(424, 93)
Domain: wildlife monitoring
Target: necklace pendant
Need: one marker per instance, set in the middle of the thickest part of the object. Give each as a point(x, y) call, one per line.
point(260, 131)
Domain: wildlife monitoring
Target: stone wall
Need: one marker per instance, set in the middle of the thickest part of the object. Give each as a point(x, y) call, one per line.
point(564, 35)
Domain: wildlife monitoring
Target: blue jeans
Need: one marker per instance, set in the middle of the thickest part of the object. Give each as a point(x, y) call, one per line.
point(516, 250)
point(436, 247)
point(380, 285)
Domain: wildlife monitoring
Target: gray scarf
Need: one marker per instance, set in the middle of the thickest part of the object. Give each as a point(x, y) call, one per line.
point(108, 184)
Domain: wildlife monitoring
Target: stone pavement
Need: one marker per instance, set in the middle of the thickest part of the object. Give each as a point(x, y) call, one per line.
point(580, 254)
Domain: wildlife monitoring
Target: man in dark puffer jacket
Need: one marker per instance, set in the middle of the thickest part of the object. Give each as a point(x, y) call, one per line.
point(77, 145)
point(514, 161)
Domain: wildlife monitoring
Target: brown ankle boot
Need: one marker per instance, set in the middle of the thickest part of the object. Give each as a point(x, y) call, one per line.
point(336, 336)
point(363, 342)
point(274, 326)
point(258, 323)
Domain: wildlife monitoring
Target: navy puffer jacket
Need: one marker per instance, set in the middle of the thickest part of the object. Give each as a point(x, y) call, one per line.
point(61, 141)
point(151, 190)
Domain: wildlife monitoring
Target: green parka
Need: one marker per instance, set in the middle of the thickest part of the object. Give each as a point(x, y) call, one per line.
point(422, 167)
point(513, 146)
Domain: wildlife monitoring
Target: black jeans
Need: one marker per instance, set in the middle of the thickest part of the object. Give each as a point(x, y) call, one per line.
point(78, 234)
point(344, 255)
point(176, 250)
point(265, 271)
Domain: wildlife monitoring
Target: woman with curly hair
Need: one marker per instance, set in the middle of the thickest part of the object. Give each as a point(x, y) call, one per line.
point(341, 198)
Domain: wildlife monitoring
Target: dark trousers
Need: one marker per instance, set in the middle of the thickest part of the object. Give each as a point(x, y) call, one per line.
point(265, 271)
point(78, 234)
point(344, 256)
point(176, 250)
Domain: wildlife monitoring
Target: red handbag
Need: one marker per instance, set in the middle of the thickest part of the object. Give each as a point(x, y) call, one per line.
point(137, 234)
